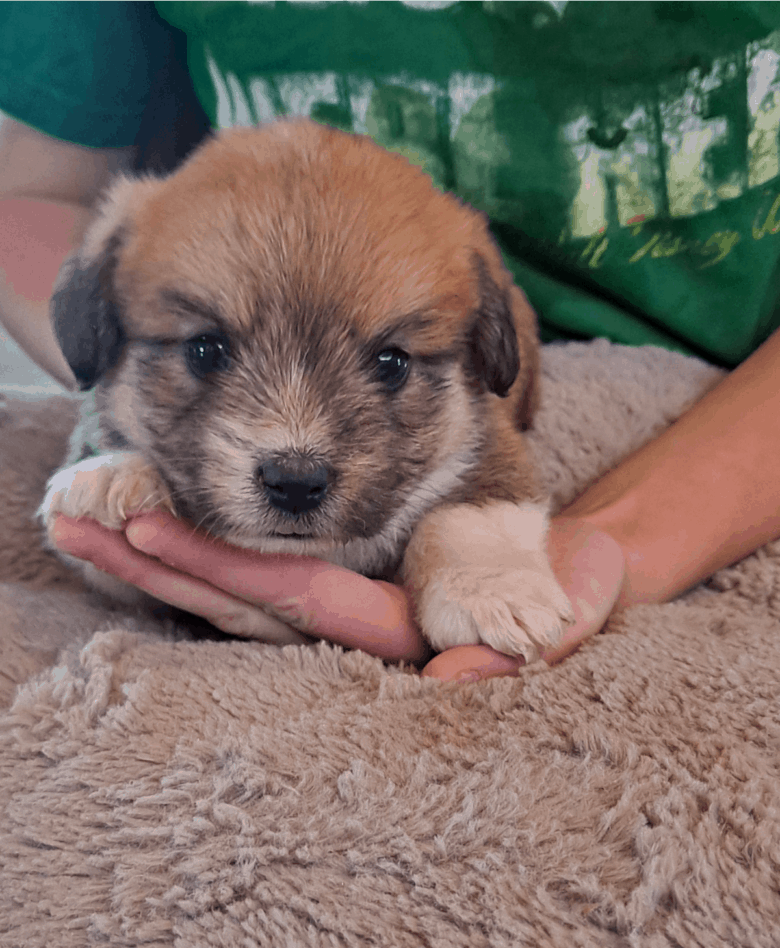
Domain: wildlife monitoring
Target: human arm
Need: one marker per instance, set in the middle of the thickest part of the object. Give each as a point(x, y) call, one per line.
point(47, 191)
point(701, 496)
point(192, 571)
point(196, 573)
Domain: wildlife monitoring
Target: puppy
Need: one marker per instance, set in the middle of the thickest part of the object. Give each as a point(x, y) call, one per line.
point(298, 344)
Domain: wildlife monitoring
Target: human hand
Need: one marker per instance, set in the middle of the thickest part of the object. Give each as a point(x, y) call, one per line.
point(223, 584)
point(589, 566)
point(177, 565)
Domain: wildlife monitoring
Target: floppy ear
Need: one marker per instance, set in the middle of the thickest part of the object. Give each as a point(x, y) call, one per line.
point(528, 378)
point(505, 343)
point(84, 315)
point(84, 311)
point(494, 349)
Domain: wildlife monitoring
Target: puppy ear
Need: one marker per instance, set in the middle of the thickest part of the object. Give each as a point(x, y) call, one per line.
point(529, 376)
point(494, 349)
point(84, 308)
point(84, 315)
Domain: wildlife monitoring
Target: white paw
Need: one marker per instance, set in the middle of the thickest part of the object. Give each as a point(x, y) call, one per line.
point(107, 487)
point(480, 575)
point(515, 611)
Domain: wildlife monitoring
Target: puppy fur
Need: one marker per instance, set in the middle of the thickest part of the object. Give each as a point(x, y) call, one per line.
point(245, 324)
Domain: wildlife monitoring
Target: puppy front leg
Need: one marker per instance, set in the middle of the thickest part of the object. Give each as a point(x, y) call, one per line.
point(480, 574)
point(107, 488)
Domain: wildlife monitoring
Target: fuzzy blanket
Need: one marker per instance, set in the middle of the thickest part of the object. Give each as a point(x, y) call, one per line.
point(161, 789)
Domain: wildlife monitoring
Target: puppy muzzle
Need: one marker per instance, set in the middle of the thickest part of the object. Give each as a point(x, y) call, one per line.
point(295, 485)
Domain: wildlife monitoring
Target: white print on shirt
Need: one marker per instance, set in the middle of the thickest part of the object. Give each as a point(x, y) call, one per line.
point(637, 177)
point(668, 157)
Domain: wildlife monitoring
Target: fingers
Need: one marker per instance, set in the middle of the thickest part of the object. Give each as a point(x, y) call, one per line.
point(228, 586)
point(590, 567)
point(471, 663)
point(109, 551)
point(320, 599)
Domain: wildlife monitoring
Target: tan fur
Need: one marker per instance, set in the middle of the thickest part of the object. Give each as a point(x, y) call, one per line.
point(310, 251)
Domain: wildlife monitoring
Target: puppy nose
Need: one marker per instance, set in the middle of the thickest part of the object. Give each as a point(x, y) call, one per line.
point(294, 485)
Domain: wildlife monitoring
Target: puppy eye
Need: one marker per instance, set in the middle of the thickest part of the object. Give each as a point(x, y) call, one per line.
point(206, 354)
point(392, 368)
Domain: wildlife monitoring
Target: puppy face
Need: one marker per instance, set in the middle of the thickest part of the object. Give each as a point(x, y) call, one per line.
point(304, 337)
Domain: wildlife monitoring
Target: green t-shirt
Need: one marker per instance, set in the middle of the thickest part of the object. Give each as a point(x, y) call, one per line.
point(626, 153)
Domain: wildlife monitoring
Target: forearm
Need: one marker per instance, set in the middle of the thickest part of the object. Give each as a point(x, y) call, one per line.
point(28, 327)
point(35, 237)
point(702, 495)
point(47, 190)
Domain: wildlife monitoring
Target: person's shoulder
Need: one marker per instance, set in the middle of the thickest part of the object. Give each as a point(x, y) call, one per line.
point(81, 72)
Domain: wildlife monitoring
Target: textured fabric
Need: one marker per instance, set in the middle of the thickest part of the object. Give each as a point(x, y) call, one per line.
point(156, 790)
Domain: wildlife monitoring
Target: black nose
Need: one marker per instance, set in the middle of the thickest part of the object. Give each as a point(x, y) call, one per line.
point(294, 485)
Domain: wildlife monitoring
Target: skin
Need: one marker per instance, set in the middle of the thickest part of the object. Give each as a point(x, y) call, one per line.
point(192, 571)
point(47, 189)
point(699, 497)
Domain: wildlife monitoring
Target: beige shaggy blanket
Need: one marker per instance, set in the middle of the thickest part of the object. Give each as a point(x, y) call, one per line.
point(157, 789)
